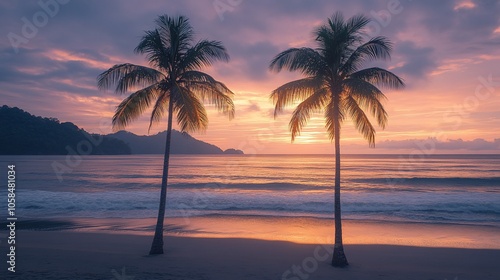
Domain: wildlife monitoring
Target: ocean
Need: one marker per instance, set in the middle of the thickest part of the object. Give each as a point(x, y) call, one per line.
point(449, 189)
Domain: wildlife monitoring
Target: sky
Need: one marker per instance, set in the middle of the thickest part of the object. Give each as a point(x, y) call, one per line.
point(448, 53)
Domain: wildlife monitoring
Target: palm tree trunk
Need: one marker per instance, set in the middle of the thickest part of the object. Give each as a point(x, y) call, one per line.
point(157, 246)
point(339, 259)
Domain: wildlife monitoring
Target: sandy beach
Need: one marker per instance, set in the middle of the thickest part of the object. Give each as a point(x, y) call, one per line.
point(105, 254)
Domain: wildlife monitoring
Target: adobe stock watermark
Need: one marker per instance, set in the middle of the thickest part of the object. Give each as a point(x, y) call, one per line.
point(483, 91)
point(199, 201)
point(74, 157)
point(122, 276)
point(383, 18)
point(31, 25)
point(223, 6)
point(453, 120)
point(310, 264)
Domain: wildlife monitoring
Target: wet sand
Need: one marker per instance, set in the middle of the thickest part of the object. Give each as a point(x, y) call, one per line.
point(250, 248)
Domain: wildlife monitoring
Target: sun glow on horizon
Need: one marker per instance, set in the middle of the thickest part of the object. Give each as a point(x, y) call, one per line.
point(55, 75)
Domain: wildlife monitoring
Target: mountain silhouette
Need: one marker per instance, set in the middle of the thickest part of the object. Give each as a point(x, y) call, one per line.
point(182, 143)
point(26, 134)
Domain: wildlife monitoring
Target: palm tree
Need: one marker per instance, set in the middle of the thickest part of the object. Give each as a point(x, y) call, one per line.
point(335, 85)
point(172, 84)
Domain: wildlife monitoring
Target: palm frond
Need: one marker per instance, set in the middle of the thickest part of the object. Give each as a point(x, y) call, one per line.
point(336, 22)
point(360, 120)
point(294, 91)
point(314, 103)
point(379, 77)
point(376, 48)
point(158, 54)
point(176, 33)
point(333, 119)
point(127, 75)
point(368, 97)
point(356, 23)
point(204, 53)
point(161, 105)
point(133, 106)
point(194, 76)
point(337, 38)
point(305, 60)
point(191, 114)
point(210, 91)
point(213, 96)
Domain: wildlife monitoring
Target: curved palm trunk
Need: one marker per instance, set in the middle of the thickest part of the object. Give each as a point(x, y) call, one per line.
point(338, 259)
point(157, 246)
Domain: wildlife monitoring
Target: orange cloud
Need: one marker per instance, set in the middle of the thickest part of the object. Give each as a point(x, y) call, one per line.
point(465, 5)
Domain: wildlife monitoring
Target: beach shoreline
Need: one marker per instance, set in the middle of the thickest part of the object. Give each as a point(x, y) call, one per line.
point(301, 230)
point(100, 255)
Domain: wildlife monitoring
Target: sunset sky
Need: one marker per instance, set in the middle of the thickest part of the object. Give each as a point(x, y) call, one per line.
point(448, 53)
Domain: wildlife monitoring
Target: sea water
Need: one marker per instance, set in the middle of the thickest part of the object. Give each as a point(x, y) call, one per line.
point(453, 189)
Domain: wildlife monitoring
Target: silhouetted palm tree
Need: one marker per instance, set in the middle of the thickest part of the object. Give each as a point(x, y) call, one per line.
point(172, 84)
point(335, 85)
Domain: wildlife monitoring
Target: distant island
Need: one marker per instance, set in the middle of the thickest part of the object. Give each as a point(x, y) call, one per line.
point(26, 134)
